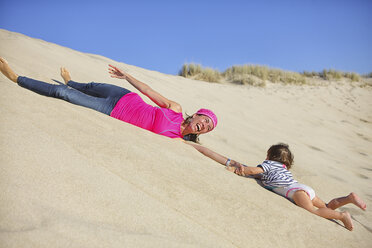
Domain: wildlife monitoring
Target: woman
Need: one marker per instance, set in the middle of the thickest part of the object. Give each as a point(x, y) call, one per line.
point(122, 104)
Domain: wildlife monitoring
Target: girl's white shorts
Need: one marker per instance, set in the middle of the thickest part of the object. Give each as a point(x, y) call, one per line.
point(289, 190)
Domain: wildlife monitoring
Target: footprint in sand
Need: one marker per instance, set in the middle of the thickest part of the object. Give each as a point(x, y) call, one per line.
point(315, 148)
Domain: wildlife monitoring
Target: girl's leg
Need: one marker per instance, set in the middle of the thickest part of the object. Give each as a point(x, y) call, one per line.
point(351, 198)
point(317, 202)
point(103, 105)
point(7, 71)
point(94, 89)
point(303, 200)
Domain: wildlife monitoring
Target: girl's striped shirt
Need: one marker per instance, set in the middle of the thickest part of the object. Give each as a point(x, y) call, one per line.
point(275, 174)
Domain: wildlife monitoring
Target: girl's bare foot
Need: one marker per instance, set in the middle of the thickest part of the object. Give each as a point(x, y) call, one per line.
point(65, 74)
point(7, 71)
point(354, 198)
point(346, 219)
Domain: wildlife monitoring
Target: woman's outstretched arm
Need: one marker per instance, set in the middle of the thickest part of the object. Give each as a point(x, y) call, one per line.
point(157, 98)
point(209, 153)
point(232, 165)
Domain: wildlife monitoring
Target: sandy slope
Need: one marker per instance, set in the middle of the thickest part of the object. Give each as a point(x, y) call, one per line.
point(72, 177)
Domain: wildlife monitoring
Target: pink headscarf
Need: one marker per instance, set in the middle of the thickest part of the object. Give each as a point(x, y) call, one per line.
point(210, 114)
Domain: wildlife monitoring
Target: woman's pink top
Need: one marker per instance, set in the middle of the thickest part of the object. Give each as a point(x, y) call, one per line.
point(132, 109)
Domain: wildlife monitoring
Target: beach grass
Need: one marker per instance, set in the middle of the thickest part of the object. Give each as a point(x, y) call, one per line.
point(196, 71)
point(258, 75)
point(331, 74)
point(262, 74)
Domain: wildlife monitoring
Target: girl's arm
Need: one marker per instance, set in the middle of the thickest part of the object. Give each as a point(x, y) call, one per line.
point(158, 99)
point(248, 170)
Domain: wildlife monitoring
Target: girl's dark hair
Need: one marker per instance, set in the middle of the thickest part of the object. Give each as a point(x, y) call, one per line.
point(280, 153)
point(191, 137)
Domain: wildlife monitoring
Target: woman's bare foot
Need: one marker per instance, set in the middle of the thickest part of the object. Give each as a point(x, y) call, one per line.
point(346, 219)
point(7, 71)
point(65, 74)
point(355, 199)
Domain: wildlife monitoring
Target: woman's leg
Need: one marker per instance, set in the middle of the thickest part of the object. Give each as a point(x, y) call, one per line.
point(7, 71)
point(103, 105)
point(94, 89)
point(351, 198)
point(303, 200)
point(99, 89)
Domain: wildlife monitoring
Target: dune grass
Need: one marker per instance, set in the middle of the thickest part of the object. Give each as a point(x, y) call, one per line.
point(196, 71)
point(262, 74)
point(331, 74)
point(258, 75)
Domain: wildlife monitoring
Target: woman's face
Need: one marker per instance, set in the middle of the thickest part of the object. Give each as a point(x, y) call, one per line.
point(200, 124)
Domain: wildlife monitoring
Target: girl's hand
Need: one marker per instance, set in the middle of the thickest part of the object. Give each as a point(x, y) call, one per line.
point(117, 73)
point(240, 170)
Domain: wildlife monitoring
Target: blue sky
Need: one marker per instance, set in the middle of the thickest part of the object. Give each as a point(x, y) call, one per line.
point(162, 35)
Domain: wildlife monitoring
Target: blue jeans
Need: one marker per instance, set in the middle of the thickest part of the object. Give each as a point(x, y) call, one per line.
point(97, 96)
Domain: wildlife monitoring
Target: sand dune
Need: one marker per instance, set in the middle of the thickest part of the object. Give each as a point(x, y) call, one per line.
point(72, 177)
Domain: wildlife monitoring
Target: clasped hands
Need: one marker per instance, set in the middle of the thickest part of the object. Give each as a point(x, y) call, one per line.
point(236, 167)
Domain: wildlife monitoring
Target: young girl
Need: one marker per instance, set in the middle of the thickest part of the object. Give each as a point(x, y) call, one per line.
point(274, 175)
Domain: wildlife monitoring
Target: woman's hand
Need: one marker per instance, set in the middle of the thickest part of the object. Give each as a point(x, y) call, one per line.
point(117, 73)
point(237, 168)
